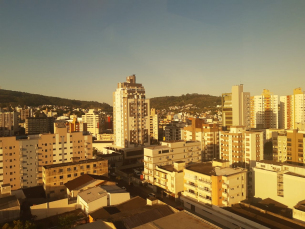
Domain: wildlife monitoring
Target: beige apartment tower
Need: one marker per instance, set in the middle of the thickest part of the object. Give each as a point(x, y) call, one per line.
point(293, 110)
point(131, 115)
point(264, 110)
point(206, 134)
point(236, 108)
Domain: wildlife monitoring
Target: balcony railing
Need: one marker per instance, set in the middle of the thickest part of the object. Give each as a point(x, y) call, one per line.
point(190, 185)
point(205, 182)
point(204, 200)
point(225, 194)
point(191, 194)
point(225, 186)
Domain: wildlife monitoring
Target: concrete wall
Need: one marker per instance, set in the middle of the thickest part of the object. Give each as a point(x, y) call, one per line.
point(117, 198)
point(52, 208)
point(9, 214)
point(297, 214)
point(225, 218)
point(266, 187)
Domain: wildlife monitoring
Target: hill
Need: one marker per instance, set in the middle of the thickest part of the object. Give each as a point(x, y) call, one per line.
point(16, 98)
point(199, 100)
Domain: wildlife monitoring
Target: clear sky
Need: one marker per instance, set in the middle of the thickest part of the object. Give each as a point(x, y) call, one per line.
point(81, 49)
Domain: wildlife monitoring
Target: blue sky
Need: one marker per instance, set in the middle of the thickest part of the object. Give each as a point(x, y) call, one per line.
point(81, 49)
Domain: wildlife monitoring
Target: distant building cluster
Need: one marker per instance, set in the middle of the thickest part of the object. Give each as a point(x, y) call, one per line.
point(247, 151)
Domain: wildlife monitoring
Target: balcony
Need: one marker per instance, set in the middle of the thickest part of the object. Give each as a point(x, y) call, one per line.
point(225, 186)
point(191, 194)
point(190, 185)
point(225, 202)
point(225, 194)
point(204, 200)
point(208, 183)
point(205, 191)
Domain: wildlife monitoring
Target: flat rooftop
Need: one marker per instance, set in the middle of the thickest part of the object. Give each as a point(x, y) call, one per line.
point(157, 147)
point(92, 194)
point(281, 163)
point(72, 163)
point(207, 169)
point(178, 220)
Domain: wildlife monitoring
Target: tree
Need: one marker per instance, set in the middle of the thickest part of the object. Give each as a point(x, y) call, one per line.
point(66, 221)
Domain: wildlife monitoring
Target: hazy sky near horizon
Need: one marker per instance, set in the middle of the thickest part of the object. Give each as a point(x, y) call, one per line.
point(80, 49)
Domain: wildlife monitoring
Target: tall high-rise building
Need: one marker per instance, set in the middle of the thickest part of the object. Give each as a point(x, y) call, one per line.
point(290, 147)
point(236, 108)
point(154, 127)
point(292, 110)
point(8, 123)
point(206, 134)
point(240, 147)
point(93, 119)
point(264, 110)
point(131, 115)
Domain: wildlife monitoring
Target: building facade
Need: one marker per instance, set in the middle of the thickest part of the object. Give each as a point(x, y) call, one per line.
point(264, 110)
point(39, 125)
point(206, 134)
point(236, 108)
point(8, 123)
point(93, 119)
point(131, 112)
point(154, 127)
point(241, 147)
point(210, 183)
point(290, 147)
point(292, 108)
point(21, 160)
point(55, 176)
point(167, 154)
point(282, 182)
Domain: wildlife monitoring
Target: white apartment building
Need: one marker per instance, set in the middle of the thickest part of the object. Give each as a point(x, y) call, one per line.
point(131, 115)
point(292, 110)
point(93, 119)
point(21, 160)
point(281, 182)
point(170, 178)
point(154, 126)
point(214, 183)
point(167, 154)
point(264, 110)
point(206, 134)
point(236, 108)
point(8, 123)
point(239, 146)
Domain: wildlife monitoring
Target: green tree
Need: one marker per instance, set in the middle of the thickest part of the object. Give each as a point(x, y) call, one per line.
point(66, 221)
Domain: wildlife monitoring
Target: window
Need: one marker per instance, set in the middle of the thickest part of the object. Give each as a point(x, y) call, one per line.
point(61, 177)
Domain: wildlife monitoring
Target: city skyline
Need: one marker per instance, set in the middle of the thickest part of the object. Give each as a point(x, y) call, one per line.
point(80, 50)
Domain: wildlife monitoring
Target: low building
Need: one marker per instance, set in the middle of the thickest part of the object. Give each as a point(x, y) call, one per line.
point(54, 176)
point(95, 198)
point(213, 184)
point(167, 154)
point(81, 183)
point(298, 211)
point(282, 182)
point(9, 209)
point(170, 178)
